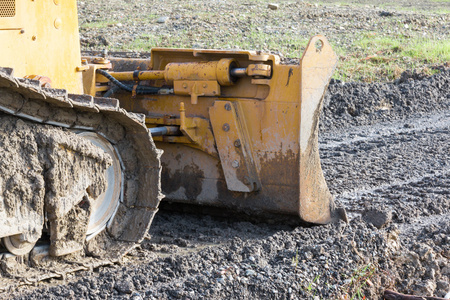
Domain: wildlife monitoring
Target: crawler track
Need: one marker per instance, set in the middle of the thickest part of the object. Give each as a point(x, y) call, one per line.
point(139, 186)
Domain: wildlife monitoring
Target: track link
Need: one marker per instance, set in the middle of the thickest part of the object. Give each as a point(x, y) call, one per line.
point(140, 192)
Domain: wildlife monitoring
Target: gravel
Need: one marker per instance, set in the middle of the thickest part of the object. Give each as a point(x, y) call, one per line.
point(393, 179)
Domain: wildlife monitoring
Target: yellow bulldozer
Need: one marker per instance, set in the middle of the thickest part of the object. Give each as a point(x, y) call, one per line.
point(90, 145)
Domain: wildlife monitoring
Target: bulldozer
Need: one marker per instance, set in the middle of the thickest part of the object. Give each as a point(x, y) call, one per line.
point(92, 144)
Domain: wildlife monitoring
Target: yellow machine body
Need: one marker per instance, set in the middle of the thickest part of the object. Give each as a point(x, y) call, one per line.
point(41, 38)
point(247, 142)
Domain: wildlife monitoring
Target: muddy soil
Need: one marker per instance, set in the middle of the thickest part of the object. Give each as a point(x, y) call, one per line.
point(46, 173)
point(387, 164)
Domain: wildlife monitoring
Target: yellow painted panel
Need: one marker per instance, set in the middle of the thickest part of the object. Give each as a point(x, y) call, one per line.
point(42, 39)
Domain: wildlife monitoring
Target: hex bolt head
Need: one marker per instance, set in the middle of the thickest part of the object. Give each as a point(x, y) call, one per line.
point(237, 143)
point(235, 164)
point(226, 127)
point(228, 106)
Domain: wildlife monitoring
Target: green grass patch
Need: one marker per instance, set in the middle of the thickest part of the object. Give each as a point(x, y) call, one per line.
point(363, 55)
point(374, 57)
point(359, 280)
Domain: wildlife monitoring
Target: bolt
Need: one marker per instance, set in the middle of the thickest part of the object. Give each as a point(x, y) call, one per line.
point(235, 164)
point(22, 31)
point(226, 127)
point(33, 38)
point(205, 85)
point(237, 143)
point(228, 106)
point(184, 85)
point(57, 23)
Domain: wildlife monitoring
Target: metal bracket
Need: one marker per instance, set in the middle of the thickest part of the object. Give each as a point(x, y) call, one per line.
point(233, 145)
point(91, 78)
point(196, 88)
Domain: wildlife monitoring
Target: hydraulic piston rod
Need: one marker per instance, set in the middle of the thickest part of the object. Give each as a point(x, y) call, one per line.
point(165, 130)
point(224, 71)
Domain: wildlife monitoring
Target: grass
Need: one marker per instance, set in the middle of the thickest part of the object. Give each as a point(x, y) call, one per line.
point(295, 259)
point(361, 277)
point(390, 5)
point(373, 57)
point(254, 39)
point(310, 289)
point(370, 57)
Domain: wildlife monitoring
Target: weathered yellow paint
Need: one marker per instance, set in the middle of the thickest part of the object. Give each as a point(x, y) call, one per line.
point(42, 39)
point(317, 66)
point(264, 125)
point(231, 137)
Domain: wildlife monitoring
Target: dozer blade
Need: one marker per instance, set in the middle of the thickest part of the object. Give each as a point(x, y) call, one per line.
point(315, 203)
point(247, 127)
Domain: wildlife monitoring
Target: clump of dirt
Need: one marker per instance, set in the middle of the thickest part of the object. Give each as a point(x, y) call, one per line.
point(21, 180)
point(423, 262)
point(47, 171)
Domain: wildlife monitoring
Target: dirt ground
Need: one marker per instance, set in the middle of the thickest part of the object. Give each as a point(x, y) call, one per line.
point(385, 155)
point(427, 5)
point(388, 167)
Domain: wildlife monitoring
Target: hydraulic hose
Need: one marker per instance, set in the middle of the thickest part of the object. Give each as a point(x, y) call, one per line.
point(141, 90)
point(111, 91)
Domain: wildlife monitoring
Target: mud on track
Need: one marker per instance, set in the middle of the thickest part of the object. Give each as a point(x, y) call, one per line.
point(386, 162)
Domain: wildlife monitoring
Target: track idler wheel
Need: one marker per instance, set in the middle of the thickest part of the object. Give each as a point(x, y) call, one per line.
point(18, 244)
point(105, 205)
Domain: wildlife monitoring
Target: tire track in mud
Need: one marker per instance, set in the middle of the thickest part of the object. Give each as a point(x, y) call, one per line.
point(395, 164)
point(389, 155)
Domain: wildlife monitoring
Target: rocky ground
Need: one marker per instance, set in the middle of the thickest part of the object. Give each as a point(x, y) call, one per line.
point(385, 155)
point(119, 24)
point(385, 159)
